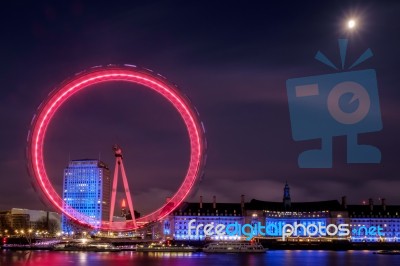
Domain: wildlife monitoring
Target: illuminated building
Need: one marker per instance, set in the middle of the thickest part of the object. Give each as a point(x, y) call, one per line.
point(275, 215)
point(86, 190)
point(123, 208)
point(126, 213)
point(176, 225)
point(386, 216)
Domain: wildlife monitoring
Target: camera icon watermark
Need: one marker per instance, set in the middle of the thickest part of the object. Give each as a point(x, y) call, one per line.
point(338, 104)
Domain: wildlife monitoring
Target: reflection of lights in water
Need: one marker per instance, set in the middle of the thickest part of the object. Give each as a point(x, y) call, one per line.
point(83, 257)
point(169, 254)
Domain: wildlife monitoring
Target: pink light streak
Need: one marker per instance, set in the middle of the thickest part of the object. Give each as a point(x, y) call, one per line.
point(109, 74)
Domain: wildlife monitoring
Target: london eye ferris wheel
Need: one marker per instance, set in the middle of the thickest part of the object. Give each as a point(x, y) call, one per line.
point(114, 73)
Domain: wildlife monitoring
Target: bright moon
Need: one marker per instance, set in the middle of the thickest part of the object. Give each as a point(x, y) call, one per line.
point(351, 24)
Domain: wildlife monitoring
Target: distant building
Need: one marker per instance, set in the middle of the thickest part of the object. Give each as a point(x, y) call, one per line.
point(286, 197)
point(24, 219)
point(86, 190)
point(126, 214)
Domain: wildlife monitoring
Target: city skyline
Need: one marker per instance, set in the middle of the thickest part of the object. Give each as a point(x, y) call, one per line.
point(233, 66)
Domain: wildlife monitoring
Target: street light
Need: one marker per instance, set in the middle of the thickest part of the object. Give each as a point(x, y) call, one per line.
point(29, 236)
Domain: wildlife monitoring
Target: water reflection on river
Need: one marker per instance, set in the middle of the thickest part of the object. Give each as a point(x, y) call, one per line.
point(275, 258)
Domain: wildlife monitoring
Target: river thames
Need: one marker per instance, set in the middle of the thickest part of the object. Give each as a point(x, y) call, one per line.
point(275, 258)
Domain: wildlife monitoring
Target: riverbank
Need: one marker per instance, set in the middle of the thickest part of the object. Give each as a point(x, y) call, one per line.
point(270, 244)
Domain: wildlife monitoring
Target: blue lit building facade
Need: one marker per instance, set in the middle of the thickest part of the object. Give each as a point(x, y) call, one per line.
point(367, 215)
point(273, 216)
point(86, 189)
point(276, 215)
point(176, 226)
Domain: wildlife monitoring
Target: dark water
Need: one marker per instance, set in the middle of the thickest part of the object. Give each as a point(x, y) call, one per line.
point(275, 258)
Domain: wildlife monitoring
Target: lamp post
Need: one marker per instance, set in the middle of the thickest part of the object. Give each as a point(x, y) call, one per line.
point(29, 236)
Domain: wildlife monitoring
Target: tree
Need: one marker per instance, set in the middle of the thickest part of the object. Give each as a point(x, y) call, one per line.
point(47, 224)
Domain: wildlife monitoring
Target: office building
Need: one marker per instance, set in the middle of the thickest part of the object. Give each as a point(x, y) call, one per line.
point(86, 190)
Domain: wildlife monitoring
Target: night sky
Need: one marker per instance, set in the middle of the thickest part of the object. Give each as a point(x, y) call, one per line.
point(231, 58)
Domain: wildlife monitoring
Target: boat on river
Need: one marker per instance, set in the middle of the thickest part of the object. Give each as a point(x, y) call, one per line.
point(234, 247)
point(165, 248)
point(96, 247)
point(388, 252)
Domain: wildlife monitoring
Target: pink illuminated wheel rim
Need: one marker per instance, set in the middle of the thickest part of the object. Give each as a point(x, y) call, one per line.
point(131, 74)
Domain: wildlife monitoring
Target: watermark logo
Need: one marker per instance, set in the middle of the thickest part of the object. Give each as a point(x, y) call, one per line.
point(233, 229)
point(287, 230)
point(313, 230)
point(370, 231)
point(338, 104)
